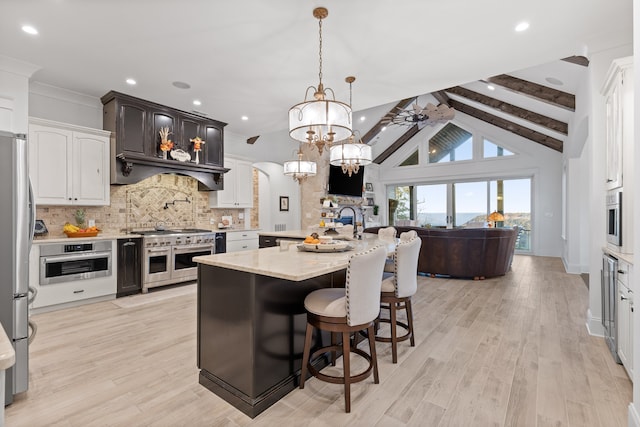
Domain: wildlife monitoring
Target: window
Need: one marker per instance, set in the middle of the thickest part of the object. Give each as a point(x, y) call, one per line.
point(493, 150)
point(462, 203)
point(412, 160)
point(450, 144)
point(431, 204)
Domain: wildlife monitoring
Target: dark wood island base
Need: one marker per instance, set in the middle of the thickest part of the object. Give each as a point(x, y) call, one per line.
point(251, 334)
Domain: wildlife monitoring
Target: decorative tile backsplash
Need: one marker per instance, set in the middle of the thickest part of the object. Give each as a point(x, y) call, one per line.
point(170, 200)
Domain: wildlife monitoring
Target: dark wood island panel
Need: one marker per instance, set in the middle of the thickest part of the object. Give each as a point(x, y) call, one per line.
point(251, 334)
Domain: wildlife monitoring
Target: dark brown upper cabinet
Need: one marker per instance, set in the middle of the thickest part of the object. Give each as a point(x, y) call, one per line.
point(135, 125)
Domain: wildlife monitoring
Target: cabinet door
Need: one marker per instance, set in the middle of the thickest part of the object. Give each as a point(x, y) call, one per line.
point(50, 164)
point(244, 185)
point(132, 129)
point(161, 119)
point(624, 311)
point(189, 129)
point(227, 197)
point(90, 171)
point(129, 266)
point(213, 147)
point(614, 136)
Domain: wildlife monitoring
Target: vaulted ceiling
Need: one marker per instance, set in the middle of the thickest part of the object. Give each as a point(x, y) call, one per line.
point(536, 103)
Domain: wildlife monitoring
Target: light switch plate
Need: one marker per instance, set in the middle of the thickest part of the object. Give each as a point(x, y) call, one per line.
point(92, 223)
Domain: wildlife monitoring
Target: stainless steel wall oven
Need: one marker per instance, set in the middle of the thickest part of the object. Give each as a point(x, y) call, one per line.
point(614, 217)
point(66, 262)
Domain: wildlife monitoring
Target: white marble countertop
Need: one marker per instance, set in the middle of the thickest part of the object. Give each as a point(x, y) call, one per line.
point(7, 354)
point(628, 258)
point(289, 263)
point(100, 236)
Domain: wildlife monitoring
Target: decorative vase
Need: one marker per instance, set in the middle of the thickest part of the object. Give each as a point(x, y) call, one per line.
point(164, 155)
point(197, 160)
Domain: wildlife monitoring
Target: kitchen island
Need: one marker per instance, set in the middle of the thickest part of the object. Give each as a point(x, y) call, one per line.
point(251, 318)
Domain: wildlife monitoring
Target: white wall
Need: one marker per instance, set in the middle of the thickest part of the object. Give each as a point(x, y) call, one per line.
point(14, 89)
point(542, 164)
point(273, 185)
point(61, 105)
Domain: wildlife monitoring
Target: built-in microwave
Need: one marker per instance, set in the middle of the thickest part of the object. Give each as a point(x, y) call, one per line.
point(614, 217)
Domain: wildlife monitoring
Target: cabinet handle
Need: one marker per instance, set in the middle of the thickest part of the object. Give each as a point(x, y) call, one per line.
point(623, 298)
point(78, 292)
point(129, 244)
point(622, 272)
point(609, 180)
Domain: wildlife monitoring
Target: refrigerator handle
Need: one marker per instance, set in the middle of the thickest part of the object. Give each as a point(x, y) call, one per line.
point(32, 215)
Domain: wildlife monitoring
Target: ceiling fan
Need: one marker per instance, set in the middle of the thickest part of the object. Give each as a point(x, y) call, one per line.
point(421, 116)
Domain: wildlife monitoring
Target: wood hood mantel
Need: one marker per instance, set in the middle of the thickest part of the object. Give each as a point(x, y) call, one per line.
point(135, 141)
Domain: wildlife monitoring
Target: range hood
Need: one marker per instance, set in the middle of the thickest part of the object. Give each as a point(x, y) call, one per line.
point(130, 169)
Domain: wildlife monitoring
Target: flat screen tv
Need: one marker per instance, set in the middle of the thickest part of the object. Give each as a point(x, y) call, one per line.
point(344, 185)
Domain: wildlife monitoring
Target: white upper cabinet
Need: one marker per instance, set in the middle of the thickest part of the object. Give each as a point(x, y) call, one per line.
point(618, 93)
point(238, 186)
point(68, 165)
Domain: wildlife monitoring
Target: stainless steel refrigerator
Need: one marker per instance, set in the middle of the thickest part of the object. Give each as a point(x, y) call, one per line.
point(17, 218)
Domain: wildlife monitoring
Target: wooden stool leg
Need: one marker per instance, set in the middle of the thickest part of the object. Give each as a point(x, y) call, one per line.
point(409, 310)
point(394, 333)
point(305, 353)
point(347, 370)
point(374, 355)
point(333, 352)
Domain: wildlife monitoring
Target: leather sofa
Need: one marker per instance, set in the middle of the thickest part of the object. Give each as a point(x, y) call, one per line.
point(463, 252)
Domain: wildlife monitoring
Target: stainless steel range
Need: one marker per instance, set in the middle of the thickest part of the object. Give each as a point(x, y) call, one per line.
point(168, 255)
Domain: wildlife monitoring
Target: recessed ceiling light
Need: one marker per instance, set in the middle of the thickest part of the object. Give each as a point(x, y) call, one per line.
point(363, 118)
point(383, 128)
point(29, 29)
point(131, 82)
point(491, 87)
point(522, 26)
point(244, 118)
point(197, 102)
point(181, 85)
point(554, 81)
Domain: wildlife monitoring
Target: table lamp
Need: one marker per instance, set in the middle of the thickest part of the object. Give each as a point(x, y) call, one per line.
point(495, 216)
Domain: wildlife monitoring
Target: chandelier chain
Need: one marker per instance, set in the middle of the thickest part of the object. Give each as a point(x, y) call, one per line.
point(320, 49)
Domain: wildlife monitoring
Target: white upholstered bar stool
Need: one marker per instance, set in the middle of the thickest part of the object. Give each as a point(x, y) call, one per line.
point(346, 310)
point(388, 234)
point(398, 289)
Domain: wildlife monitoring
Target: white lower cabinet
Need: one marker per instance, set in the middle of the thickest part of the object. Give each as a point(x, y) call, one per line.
point(625, 317)
point(241, 240)
point(68, 165)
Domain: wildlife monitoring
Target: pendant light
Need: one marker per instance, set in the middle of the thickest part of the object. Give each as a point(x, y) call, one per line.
point(300, 169)
point(320, 121)
point(350, 155)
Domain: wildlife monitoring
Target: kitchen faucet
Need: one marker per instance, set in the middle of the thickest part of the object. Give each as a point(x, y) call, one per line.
point(355, 227)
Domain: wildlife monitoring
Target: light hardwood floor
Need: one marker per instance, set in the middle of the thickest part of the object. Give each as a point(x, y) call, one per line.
point(509, 351)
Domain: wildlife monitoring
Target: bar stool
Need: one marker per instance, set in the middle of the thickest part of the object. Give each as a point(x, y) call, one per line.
point(346, 310)
point(388, 234)
point(398, 289)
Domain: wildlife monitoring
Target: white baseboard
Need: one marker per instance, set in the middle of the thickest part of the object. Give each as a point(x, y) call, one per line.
point(594, 326)
point(574, 268)
point(634, 417)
